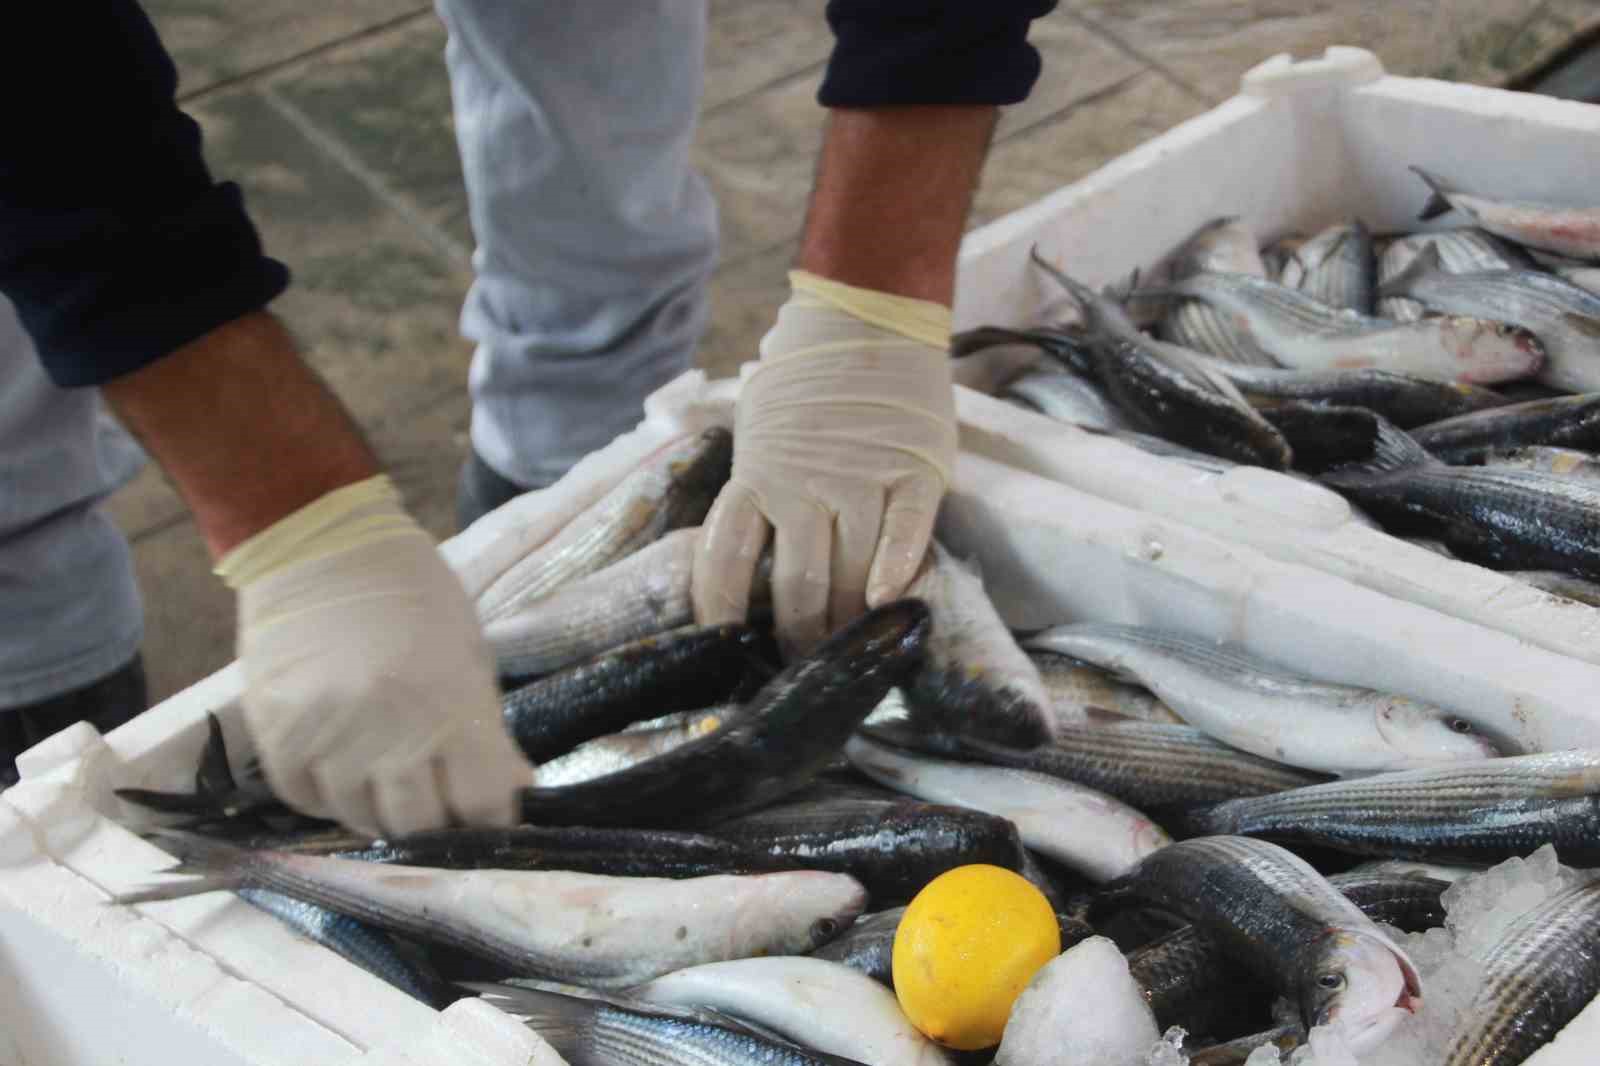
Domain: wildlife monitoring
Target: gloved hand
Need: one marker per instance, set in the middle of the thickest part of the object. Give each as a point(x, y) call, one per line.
point(369, 689)
point(844, 439)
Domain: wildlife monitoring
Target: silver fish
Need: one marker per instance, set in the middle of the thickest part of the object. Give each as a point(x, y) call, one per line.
point(1094, 834)
point(1569, 231)
point(1541, 973)
point(1584, 277)
point(1481, 812)
point(1224, 244)
point(813, 1002)
point(1066, 398)
point(1564, 318)
point(1404, 399)
point(1462, 251)
point(598, 931)
point(673, 490)
point(1260, 707)
point(1561, 462)
point(1074, 686)
point(619, 751)
point(1337, 267)
point(1300, 332)
point(1565, 421)
point(868, 946)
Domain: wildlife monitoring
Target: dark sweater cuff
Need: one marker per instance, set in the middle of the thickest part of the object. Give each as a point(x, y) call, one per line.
point(891, 53)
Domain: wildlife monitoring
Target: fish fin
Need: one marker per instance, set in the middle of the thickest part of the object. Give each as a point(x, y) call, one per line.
point(1426, 264)
point(1438, 203)
point(1589, 327)
point(214, 777)
point(563, 1020)
point(202, 855)
point(168, 802)
point(194, 886)
point(1395, 449)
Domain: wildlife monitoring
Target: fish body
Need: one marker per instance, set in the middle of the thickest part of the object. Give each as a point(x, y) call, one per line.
point(1337, 267)
point(1404, 399)
point(1561, 462)
point(867, 946)
point(892, 845)
point(1564, 317)
point(1076, 686)
point(1462, 251)
point(594, 930)
point(1066, 397)
point(1259, 707)
point(1569, 231)
point(1227, 245)
point(678, 671)
point(1563, 422)
point(1506, 518)
point(974, 678)
point(1541, 973)
point(815, 1003)
point(1323, 436)
point(1474, 813)
point(1088, 831)
point(673, 490)
point(1282, 921)
point(1300, 332)
point(772, 746)
point(629, 748)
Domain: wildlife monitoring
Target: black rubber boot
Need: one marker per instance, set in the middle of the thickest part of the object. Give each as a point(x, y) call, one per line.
point(480, 489)
point(105, 704)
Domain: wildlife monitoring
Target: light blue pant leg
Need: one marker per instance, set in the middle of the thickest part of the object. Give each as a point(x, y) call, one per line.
point(69, 605)
point(595, 237)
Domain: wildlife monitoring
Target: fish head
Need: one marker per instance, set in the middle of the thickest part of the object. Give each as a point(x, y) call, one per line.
point(837, 907)
point(1357, 982)
point(1491, 351)
point(1420, 733)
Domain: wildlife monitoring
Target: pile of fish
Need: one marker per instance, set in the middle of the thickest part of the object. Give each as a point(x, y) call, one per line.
point(719, 844)
point(1446, 382)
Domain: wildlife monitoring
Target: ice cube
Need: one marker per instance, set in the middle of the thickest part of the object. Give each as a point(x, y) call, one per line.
point(1266, 1055)
point(1169, 1050)
point(1543, 866)
point(1083, 1006)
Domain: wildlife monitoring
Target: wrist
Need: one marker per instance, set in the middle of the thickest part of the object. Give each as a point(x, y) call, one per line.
point(345, 518)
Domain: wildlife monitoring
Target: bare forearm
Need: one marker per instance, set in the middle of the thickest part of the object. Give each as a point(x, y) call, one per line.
point(893, 191)
point(243, 427)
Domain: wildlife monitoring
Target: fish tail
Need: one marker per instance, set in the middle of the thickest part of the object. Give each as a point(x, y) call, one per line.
point(1395, 449)
point(195, 886)
point(563, 1021)
point(216, 865)
point(1427, 264)
point(1439, 203)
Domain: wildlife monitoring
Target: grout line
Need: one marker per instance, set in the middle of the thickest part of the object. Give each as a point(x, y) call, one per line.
point(452, 249)
point(160, 526)
point(1117, 42)
point(1062, 113)
point(776, 83)
point(277, 65)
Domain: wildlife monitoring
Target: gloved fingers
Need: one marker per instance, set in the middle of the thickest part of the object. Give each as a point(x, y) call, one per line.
point(855, 542)
point(482, 776)
point(409, 801)
point(725, 561)
point(296, 786)
point(802, 547)
point(351, 801)
point(907, 530)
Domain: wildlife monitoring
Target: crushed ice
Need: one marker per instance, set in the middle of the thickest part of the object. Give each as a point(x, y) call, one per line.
point(1479, 908)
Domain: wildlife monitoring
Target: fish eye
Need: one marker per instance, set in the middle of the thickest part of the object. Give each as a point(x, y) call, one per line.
point(1331, 981)
point(824, 928)
point(1460, 725)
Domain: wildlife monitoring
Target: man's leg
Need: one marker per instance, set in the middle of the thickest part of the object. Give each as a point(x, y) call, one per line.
point(70, 615)
point(595, 237)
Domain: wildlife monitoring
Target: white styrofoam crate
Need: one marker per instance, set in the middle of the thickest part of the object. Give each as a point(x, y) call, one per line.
point(1064, 525)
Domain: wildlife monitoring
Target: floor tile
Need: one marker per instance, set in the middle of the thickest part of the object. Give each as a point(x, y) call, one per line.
point(753, 43)
point(745, 298)
point(188, 612)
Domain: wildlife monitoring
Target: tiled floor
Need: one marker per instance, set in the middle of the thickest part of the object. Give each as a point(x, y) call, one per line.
point(336, 120)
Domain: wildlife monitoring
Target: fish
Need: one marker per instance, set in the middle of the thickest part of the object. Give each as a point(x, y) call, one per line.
point(1075, 686)
point(1224, 244)
point(1260, 707)
point(677, 671)
point(1463, 251)
point(989, 368)
point(1279, 252)
point(1087, 831)
point(867, 946)
point(1569, 231)
point(589, 929)
point(1405, 399)
point(673, 490)
point(1285, 1038)
point(1145, 765)
point(1163, 389)
point(1299, 332)
point(1066, 397)
point(1538, 976)
point(1322, 435)
point(630, 747)
point(1566, 586)
point(815, 1003)
point(1284, 923)
point(590, 1031)
point(1338, 267)
point(974, 678)
point(359, 943)
point(892, 845)
point(1496, 516)
point(774, 745)
point(1584, 277)
point(1562, 462)
point(1562, 422)
point(1470, 813)
point(1563, 317)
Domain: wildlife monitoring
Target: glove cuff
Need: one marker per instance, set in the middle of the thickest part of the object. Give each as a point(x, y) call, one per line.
point(351, 516)
point(920, 320)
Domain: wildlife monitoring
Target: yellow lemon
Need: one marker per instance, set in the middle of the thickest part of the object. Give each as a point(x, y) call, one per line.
point(968, 945)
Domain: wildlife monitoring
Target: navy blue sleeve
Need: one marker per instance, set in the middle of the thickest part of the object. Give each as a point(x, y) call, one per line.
point(905, 52)
point(116, 245)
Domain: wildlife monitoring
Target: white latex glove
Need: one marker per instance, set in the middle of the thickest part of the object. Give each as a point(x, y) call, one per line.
point(369, 690)
point(844, 437)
